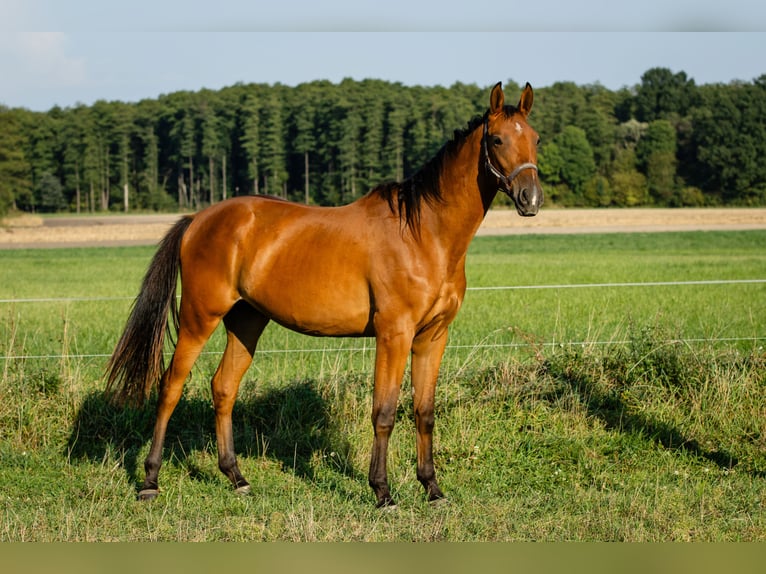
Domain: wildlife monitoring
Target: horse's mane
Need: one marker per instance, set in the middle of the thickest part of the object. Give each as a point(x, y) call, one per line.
point(406, 198)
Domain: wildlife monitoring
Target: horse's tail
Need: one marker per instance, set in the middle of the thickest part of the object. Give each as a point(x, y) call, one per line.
point(137, 362)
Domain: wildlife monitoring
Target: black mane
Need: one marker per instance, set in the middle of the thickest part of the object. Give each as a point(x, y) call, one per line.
point(406, 198)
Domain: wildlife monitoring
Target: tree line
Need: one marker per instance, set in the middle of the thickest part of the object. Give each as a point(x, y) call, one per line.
point(664, 142)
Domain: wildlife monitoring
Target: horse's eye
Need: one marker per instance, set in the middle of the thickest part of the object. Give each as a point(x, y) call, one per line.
point(538, 142)
point(496, 140)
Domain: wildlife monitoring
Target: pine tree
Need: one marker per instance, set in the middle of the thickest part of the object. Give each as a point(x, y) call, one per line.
point(15, 170)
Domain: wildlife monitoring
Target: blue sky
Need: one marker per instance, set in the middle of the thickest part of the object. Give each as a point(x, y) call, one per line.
point(62, 53)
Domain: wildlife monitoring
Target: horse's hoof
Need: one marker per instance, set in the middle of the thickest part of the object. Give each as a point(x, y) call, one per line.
point(441, 501)
point(148, 494)
point(387, 504)
point(243, 490)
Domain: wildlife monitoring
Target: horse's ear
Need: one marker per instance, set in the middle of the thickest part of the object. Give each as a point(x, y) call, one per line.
point(496, 98)
point(525, 102)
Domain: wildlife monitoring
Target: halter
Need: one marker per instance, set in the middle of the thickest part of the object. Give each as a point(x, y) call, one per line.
point(506, 181)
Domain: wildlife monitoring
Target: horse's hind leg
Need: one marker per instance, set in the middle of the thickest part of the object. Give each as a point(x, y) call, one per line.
point(192, 336)
point(244, 326)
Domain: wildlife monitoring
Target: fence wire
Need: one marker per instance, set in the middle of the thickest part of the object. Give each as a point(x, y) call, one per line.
point(487, 288)
point(357, 349)
point(371, 348)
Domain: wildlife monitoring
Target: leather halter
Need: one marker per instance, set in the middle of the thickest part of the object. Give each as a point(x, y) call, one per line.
point(505, 180)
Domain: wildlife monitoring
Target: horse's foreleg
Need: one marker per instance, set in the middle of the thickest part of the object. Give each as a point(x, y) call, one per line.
point(426, 357)
point(244, 326)
point(390, 361)
point(188, 348)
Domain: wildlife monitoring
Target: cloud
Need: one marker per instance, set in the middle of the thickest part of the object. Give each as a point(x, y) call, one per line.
point(40, 59)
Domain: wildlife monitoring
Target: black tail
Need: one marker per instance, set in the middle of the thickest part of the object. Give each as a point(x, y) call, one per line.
point(137, 362)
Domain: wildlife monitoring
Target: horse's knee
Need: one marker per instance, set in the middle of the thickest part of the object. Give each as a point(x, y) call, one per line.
point(424, 420)
point(383, 419)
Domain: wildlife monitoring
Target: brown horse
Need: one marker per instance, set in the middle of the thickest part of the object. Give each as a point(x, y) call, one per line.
point(391, 265)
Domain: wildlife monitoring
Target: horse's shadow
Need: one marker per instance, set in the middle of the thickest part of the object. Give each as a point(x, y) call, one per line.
point(615, 413)
point(290, 424)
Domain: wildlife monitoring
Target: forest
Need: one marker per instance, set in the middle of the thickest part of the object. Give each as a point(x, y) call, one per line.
point(664, 142)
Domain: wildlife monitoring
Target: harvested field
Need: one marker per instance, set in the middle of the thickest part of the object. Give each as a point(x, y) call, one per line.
point(111, 230)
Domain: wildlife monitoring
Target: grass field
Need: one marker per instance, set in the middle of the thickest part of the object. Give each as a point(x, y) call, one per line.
point(596, 412)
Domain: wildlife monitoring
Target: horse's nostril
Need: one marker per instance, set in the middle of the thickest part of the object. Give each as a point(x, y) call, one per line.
point(524, 196)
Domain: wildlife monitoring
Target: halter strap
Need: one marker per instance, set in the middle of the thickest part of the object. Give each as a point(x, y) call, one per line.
point(506, 180)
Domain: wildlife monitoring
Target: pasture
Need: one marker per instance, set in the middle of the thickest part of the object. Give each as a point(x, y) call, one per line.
point(595, 387)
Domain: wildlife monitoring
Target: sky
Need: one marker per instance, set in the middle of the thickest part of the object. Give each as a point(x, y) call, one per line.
point(79, 51)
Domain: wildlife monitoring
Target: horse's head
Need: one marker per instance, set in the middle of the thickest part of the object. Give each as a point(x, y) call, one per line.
point(509, 148)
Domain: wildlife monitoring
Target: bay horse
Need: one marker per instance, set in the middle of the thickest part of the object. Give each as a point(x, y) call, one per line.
point(390, 265)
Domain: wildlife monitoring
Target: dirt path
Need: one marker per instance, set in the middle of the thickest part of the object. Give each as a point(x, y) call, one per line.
point(116, 230)
point(505, 222)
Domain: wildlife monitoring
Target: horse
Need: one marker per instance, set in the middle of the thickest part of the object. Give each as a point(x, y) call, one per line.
point(390, 265)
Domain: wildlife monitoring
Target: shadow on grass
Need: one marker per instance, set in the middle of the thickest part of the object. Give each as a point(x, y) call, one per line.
point(289, 424)
point(608, 406)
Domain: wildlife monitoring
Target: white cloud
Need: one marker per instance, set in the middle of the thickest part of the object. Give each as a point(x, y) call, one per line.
point(38, 60)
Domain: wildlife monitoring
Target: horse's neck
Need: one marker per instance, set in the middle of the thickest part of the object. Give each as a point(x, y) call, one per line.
point(466, 196)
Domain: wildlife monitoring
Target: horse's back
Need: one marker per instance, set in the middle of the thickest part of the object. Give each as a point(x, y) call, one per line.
point(317, 270)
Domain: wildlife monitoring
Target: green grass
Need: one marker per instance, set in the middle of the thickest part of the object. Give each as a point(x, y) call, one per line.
point(635, 433)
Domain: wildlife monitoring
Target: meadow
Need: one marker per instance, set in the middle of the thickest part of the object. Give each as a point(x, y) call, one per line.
point(596, 387)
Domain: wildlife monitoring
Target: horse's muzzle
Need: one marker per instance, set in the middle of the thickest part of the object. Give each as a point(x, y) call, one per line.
point(527, 198)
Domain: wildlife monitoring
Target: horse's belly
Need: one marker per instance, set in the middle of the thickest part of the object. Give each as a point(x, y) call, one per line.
point(310, 274)
point(322, 307)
